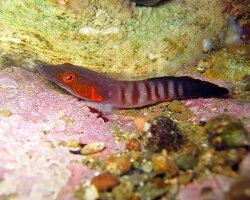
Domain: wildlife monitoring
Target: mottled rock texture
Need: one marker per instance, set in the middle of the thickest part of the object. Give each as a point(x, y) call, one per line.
point(109, 36)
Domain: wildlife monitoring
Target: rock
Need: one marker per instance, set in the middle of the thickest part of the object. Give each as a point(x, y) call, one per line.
point(105, 181)
point(91, 193)
point(88, 149)
point(185, 177)
point(152, 191)
point(162, 133)
point(186, 161)
point(5, 113)
point(226, 131)
point(118, 165)
point(147, 166)
point(229, 64)
point(163, 165)
point(115, 35)
point(176, 106)
point(239, 189)
point(139, 123)
point(73, 143)
point(186, 157)
point(123, 191)
point(245, 166)
point(133, 145)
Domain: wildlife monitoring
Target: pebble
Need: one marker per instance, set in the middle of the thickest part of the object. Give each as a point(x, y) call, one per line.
point(73, 143)
point(105, 181)
point(91, 193)
point(139, 123)
point(176, 106)
point(185, 177)
point(240, 189)
point(147, 167)
point(5, 113)
point(163, 165)
point(118, 165)
point(133, 145)
point(123, 191)
point(226, 131)
point(186, 157)
point(162, 133)
point(92, 148)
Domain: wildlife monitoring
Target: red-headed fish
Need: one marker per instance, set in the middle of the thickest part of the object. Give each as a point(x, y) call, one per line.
point(90, 85)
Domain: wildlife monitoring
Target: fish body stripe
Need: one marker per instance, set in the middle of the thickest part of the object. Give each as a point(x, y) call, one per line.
point(88, 84)
point(123, 97)
point(176, 89)
point(171, 93)
point(135, 93)
point(157, 95)
point(161, 90)
point(149, 93)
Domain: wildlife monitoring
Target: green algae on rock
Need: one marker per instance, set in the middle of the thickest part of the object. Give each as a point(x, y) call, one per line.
point(229, 64)
point(109, 36)
point(226, 131)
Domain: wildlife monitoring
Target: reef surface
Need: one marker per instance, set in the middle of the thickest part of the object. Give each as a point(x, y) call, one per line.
point(109, 36)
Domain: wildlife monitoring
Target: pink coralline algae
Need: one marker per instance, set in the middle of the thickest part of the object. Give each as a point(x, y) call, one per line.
point(33, 163)
point(207, 108)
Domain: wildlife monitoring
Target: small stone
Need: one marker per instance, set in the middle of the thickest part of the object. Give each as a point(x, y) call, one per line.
point(133, 145)
point(5, 113)
point(139, 123)
point(92, 148)
point(226, 131)
point(105, 181)
point(147, 167)
point(240, 189)
point(186, 161)
point(9, 70)
point(176, 106)
point(73, 143)
point(186, 157)
point(162, 133)
point(91, 193)
point(152, 190)
point(185, 177)
point(118, 165)
point(163, 165)
point(185, 115)
point(123, 191)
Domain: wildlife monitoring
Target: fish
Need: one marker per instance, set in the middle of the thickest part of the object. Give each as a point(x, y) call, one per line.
point(99, 88)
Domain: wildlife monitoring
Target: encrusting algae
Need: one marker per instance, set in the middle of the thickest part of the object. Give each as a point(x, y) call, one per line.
point(113, 37)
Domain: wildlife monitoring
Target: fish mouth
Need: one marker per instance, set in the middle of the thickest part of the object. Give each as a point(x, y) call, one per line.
point(40, 68)
point(43, 72)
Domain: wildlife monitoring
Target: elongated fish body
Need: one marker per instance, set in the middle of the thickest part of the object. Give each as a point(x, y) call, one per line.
point(90, 85)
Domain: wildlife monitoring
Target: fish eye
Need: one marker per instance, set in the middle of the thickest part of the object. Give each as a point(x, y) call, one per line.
point(69, 77)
